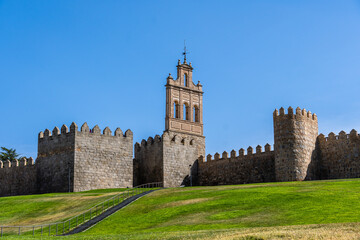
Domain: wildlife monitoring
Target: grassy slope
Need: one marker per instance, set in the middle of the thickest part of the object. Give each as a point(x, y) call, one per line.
point(295, 210)
point(236, 207)
point(49, 208)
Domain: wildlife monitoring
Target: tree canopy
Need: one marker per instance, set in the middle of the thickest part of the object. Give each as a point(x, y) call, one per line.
point(8, 154)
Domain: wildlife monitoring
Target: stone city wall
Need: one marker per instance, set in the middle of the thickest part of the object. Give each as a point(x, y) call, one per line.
point(251, 168)
point(103, 160)
point(339, 155)
point(84, 160)
point(148, 162)
point(18, 177)
point(55, 161)
point(294, 143)
point(180, 154)
point(168, 159)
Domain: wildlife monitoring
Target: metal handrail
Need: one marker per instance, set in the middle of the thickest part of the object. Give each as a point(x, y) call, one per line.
point(73, 222)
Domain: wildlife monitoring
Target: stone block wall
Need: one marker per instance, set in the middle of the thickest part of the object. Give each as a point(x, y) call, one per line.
point(55, 160)
point(168, 159)
point(148, 162)
point(18, 177)
point(179, 152)
point(295, 139)
point(103, 160)
point(339, 155)
point(226, 170)
point(84, 160)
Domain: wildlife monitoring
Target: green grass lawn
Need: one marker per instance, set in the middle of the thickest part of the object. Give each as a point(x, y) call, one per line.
point(49, 208)
point(313, 210)
point(241, 206)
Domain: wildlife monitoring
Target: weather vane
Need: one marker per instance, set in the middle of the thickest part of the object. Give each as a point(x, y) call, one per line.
point(185, 52)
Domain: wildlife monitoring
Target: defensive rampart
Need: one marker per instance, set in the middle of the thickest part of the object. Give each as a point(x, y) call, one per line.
point(148, 162)
point(339, 155)
point(103, 160)
point(294, 143)
point(168, 159)
point(181, 152)
point(18, 177)
point(55, 160)
point(72, 160)
point(250, 168)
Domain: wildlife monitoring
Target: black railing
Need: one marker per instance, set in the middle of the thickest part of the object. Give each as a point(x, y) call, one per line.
point(60, 228)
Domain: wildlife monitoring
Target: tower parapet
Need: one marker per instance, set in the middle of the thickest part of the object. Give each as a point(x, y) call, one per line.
point(77, 160)
point(294, 137)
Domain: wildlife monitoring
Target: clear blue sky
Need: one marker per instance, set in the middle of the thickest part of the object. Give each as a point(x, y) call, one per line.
point(106, 63)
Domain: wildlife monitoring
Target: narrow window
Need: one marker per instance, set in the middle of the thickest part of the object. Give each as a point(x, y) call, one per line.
point(176, 110)
point(196, 114)
point(187, 112)
point(185, 80)
point(184, 112)
point(174, 116)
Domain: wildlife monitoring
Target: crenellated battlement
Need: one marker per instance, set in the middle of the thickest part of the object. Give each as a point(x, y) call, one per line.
point(233, 156)
point(299, 114)
point(256, 165)
point(86, 155)
point(82, 158)
point(56, 133)
point(149, 142)
point(22, 162)
point(176, 139)
point(294, 142)
point(18, 177)
point(332, 138)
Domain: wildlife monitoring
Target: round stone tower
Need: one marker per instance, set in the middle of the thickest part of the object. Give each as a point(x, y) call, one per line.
point(295, 138)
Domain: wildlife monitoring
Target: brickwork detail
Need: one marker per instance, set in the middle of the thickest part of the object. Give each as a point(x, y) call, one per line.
point(184, 105)
point(172, 158)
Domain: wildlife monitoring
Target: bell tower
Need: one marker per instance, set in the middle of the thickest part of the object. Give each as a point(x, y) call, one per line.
point(184, 105)
point(173, 157)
